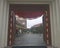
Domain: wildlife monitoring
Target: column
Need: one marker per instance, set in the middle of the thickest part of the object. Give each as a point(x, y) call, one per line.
point(3, 16)
point(57, 20)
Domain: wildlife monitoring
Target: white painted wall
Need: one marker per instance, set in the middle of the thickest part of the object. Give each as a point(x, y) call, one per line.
point(54, 18)
point(3, 23)
point(57, 33)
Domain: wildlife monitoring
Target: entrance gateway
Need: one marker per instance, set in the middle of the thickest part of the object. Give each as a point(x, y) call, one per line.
point(42, 8)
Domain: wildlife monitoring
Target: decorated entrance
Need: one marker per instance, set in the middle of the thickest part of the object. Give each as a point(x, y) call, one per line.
point(30, 11)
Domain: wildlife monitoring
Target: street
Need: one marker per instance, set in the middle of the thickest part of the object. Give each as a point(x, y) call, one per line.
point(29, 39)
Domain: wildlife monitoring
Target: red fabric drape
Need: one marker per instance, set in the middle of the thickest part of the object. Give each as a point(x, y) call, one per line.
point(29, 14)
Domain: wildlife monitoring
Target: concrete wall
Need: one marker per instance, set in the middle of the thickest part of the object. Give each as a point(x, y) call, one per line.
point(54, 18)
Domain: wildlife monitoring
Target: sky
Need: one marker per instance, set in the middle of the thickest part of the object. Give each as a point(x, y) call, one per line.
point(33, 22)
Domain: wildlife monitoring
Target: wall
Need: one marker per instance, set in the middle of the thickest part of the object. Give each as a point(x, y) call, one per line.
point(54, 18)
point(3, 23)
point(57, 22)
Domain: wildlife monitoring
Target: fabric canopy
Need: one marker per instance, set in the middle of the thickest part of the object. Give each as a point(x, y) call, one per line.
point(29, 14)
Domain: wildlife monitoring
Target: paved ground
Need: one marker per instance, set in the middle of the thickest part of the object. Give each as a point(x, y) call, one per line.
point(29, 40)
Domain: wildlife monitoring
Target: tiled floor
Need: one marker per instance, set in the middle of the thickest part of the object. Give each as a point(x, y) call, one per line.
point(29, 40)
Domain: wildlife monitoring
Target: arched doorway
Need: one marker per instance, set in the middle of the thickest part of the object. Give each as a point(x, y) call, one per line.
point(23, 10)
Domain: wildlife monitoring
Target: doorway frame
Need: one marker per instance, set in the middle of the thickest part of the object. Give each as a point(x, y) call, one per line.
point(27, 2)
